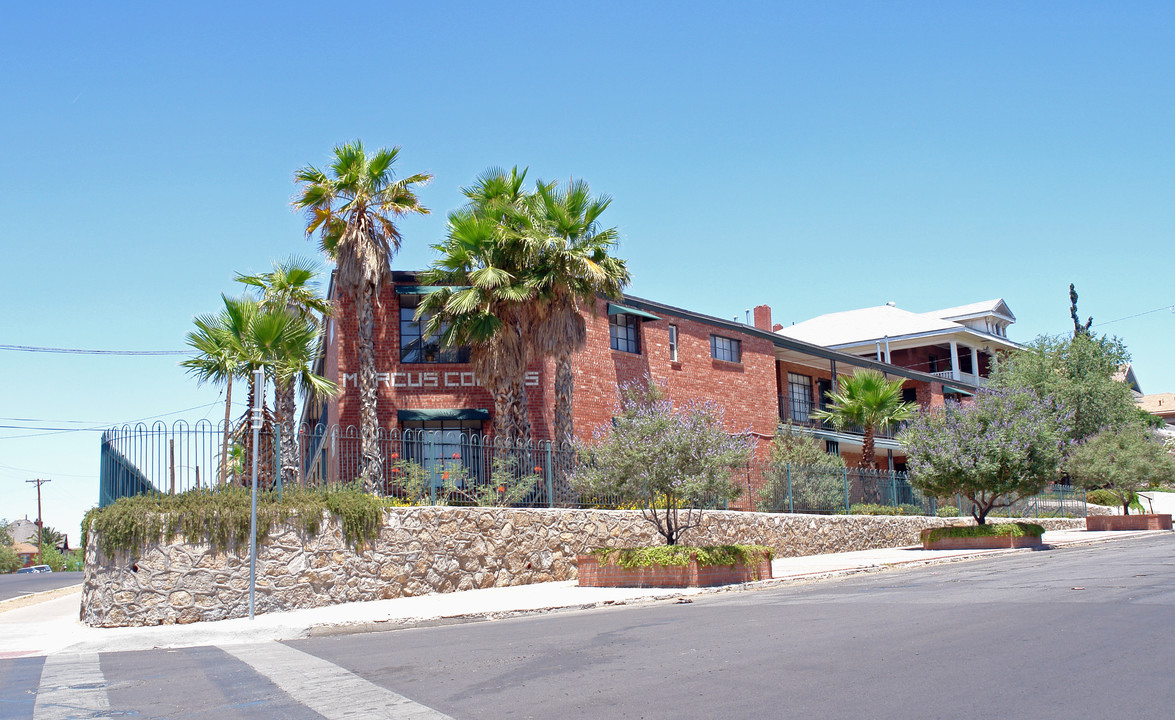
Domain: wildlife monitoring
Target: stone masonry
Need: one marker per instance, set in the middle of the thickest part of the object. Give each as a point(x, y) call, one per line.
point(422, 550)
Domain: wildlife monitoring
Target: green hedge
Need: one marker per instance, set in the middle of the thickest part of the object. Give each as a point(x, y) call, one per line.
point(680, 555)
point(220, 517)
point(1000, 529)
point(874, 509)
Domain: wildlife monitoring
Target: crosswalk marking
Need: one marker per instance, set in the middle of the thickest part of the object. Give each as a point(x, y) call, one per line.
point(326, 688)
point(72, 686)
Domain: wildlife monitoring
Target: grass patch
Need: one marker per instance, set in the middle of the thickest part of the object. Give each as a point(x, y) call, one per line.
point(1000, 529)
point(680, 555)
point(220, 517)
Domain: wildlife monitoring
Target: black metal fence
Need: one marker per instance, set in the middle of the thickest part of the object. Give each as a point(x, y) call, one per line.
point(453, 467)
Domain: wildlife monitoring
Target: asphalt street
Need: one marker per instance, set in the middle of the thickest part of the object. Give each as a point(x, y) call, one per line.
point(14, 585)
point(1083, 632)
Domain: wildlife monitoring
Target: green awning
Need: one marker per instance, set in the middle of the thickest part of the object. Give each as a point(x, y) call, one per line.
point(445, 414)
point(614, 309)
point(426, 289)
point(955, 391)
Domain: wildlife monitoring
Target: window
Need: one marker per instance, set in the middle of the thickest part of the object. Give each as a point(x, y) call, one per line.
point(673, 343)
point(799, 392)
point(625, 332)
point(415, 347)
point(832, 447)
point(932, 363)
point(726, 349)
point(440, 445)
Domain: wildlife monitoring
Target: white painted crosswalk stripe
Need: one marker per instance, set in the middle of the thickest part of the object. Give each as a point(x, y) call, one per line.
point(72, 686)
point(326, 688)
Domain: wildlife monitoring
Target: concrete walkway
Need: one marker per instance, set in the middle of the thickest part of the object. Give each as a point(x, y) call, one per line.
point(52, 626)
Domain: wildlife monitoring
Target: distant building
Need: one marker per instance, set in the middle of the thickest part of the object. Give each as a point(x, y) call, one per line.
point(23, 531)
point(26, 552)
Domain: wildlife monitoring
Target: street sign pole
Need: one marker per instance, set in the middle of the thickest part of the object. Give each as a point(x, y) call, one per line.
point(258, 394)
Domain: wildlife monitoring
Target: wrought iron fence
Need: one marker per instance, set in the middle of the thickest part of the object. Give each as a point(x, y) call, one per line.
point(453, 467)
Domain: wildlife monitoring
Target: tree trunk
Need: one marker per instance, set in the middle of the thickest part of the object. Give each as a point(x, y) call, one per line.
point(868, 453)
point(371, 463)
point(564, 431)
point(286, 405)
point(228, 409)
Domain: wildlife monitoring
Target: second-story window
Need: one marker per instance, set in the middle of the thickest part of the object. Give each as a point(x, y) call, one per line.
point(625, 332)
point(799, 392)
point(414, 347)
point(722, 348)
point(673, 343)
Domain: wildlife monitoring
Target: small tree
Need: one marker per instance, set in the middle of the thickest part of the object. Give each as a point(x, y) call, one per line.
point(869, 401)
point(9, 560)
point(801, 461)
point(993, 451)
point(670, 462)
point(1121, 461)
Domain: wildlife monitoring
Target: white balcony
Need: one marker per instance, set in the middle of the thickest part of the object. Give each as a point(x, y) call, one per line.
point(963, 377)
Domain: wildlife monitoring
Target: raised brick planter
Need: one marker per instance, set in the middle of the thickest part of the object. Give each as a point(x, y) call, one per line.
point(1129, 522)
point(593, 574)
point(990, 542)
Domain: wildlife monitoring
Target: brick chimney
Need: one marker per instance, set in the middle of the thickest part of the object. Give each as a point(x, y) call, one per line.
point(763, 317)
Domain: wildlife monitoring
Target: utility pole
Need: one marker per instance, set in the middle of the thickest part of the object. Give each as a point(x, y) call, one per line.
point(40, 523)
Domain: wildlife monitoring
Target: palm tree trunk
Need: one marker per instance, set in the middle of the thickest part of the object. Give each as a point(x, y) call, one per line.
point(869, 462)
point(286, 402)
point(564, 429)
point(228, 408)
point(371, 464)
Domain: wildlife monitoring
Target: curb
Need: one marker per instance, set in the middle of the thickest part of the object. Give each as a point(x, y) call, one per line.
point(362, 627)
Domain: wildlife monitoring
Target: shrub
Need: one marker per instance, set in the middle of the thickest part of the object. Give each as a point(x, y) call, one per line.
point(1109, 499)
point(654, 452)
point(1120, 462)
point(874, 509)
point(947, 511)
point(816, 476)
point(220, 516)
point(998, 529)
point(680, 555)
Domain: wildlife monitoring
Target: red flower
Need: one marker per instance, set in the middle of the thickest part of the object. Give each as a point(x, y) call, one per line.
point(445, 475)
point(456, 455)
point(502, 488)
point(537, 468)
point(395, 470)
point(395, 455)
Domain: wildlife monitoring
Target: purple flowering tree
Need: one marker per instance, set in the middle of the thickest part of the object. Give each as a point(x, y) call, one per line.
point(670, 462)
point(1003, 446)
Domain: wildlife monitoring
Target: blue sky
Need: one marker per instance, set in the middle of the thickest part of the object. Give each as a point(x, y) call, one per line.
point(813, 156)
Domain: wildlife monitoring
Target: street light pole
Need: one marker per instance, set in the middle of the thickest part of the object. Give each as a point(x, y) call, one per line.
point(258, 394)
point(40, 523)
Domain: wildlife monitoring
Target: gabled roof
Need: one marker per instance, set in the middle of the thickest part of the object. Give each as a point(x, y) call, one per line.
point(977, 309)
point(864, 325)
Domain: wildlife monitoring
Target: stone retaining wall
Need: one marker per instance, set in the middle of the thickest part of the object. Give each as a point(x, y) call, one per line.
point(422, 550)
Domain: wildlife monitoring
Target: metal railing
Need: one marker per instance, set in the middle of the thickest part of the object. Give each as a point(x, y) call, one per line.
point(450, 467)
point(798, 411)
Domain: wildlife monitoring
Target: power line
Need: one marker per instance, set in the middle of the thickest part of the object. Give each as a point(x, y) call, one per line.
point(84, 351)
point(100, 428)
point(1129, 317)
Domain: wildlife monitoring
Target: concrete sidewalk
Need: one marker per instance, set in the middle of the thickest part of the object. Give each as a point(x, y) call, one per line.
point(53, 626)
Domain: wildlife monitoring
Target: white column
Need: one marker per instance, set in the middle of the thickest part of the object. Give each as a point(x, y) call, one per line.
point(975, 363)
point(954, 360)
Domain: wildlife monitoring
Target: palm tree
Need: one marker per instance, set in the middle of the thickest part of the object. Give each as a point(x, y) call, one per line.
point(219, 358)
point(484, 303)
point(571, 268)
point(291, 286)
point(292, 357)
point(352, 206)
point(867, 400)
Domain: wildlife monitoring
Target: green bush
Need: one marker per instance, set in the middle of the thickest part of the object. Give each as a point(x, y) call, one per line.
point(680, 555)
point(220, 516)
point(1109, 499)
point(874, 509)
point(1000, 529)
point(948, 511)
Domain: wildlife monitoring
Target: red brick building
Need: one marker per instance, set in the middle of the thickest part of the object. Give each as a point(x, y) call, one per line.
point(758, 376)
